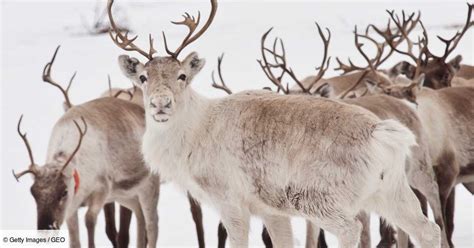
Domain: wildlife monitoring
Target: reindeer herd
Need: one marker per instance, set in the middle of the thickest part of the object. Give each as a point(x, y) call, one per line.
point(330, 150)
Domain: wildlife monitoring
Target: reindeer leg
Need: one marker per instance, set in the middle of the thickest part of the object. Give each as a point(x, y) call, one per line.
point(322, 239)
point(403, 239)
point(123, 238)
point(134, 205)
point(73, 228)
point(312, 235)
point(423, 179)
point(148, 198)
point(446, 172)
point(110, 230)
point(98, 201)
point(398, 204)
point(450, 216)
point(346, 228)
point(222, 235)
point(197, 217)
point(315, 237)
point(237, 223)
point(279, 229)
point(266, 238)
point(364, 218)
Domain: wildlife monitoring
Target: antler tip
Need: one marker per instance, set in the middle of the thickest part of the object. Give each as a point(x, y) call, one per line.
point(15, 176)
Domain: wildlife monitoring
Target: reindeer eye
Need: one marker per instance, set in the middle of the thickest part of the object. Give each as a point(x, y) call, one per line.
point(64, 194)
point(182, 77)
point(143, 79)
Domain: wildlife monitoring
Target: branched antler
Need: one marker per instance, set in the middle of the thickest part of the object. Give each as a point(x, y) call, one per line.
point(122, 40)
point(452, 43)
point(281, 63)
point(32, 168)
point(393, 40)
point(222, 85)
point(191, 23)
point(47, 78)
point(82, 133)
point(326, 60)
point(120, 92)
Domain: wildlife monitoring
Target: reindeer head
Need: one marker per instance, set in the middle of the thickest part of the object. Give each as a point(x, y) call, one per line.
point(438, 70)
point(163, 80)
point(406, 92)
point(438, 73)
point(54, 184)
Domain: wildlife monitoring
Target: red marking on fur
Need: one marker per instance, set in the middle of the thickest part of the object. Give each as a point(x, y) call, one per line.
point(76, 181)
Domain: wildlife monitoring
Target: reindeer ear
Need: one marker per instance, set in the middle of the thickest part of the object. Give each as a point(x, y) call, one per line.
point(192, 64)
point(415, 87)
point(325, 90)
point(403, 68)
point(456, 62)
point(131, 68)
point(372, 86)
point(420, 81)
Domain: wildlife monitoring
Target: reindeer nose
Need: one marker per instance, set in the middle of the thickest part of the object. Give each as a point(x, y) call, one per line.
point(166, 101)
point(160, 102)
point(152, 103)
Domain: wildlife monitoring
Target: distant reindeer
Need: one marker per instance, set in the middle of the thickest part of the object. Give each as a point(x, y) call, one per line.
point(466, 72)
point(271, 155)
point(351, 82)
point(447, 116)
point(439, 72)
point(107, 167)
point(419, 168)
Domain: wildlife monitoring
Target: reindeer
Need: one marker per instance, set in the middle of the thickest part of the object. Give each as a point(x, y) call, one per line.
point(107, 167)
point(135, 95)
point(439, 73)
point(100, 172)
point(122, 239)
point(420, 173)
point(271, 155)
point(447, 116)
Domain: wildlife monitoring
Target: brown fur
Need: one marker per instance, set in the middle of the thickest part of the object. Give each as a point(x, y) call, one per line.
point(344, 82)
point(466, 72)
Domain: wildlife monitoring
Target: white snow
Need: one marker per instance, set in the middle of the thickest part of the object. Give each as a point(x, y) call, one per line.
point(31, 30)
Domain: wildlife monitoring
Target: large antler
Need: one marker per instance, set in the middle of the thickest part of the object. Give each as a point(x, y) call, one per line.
point(281, 63)
point(222, 85)
point(192, 23)
point(122, 40)
point(82, 133)
point(47, 78)
point(453, 42)
point(33, 167)
point(372, 63)
point(326, 60)
point(391, 39)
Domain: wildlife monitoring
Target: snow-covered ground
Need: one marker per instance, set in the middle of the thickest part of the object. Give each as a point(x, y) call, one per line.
point(31, 30)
